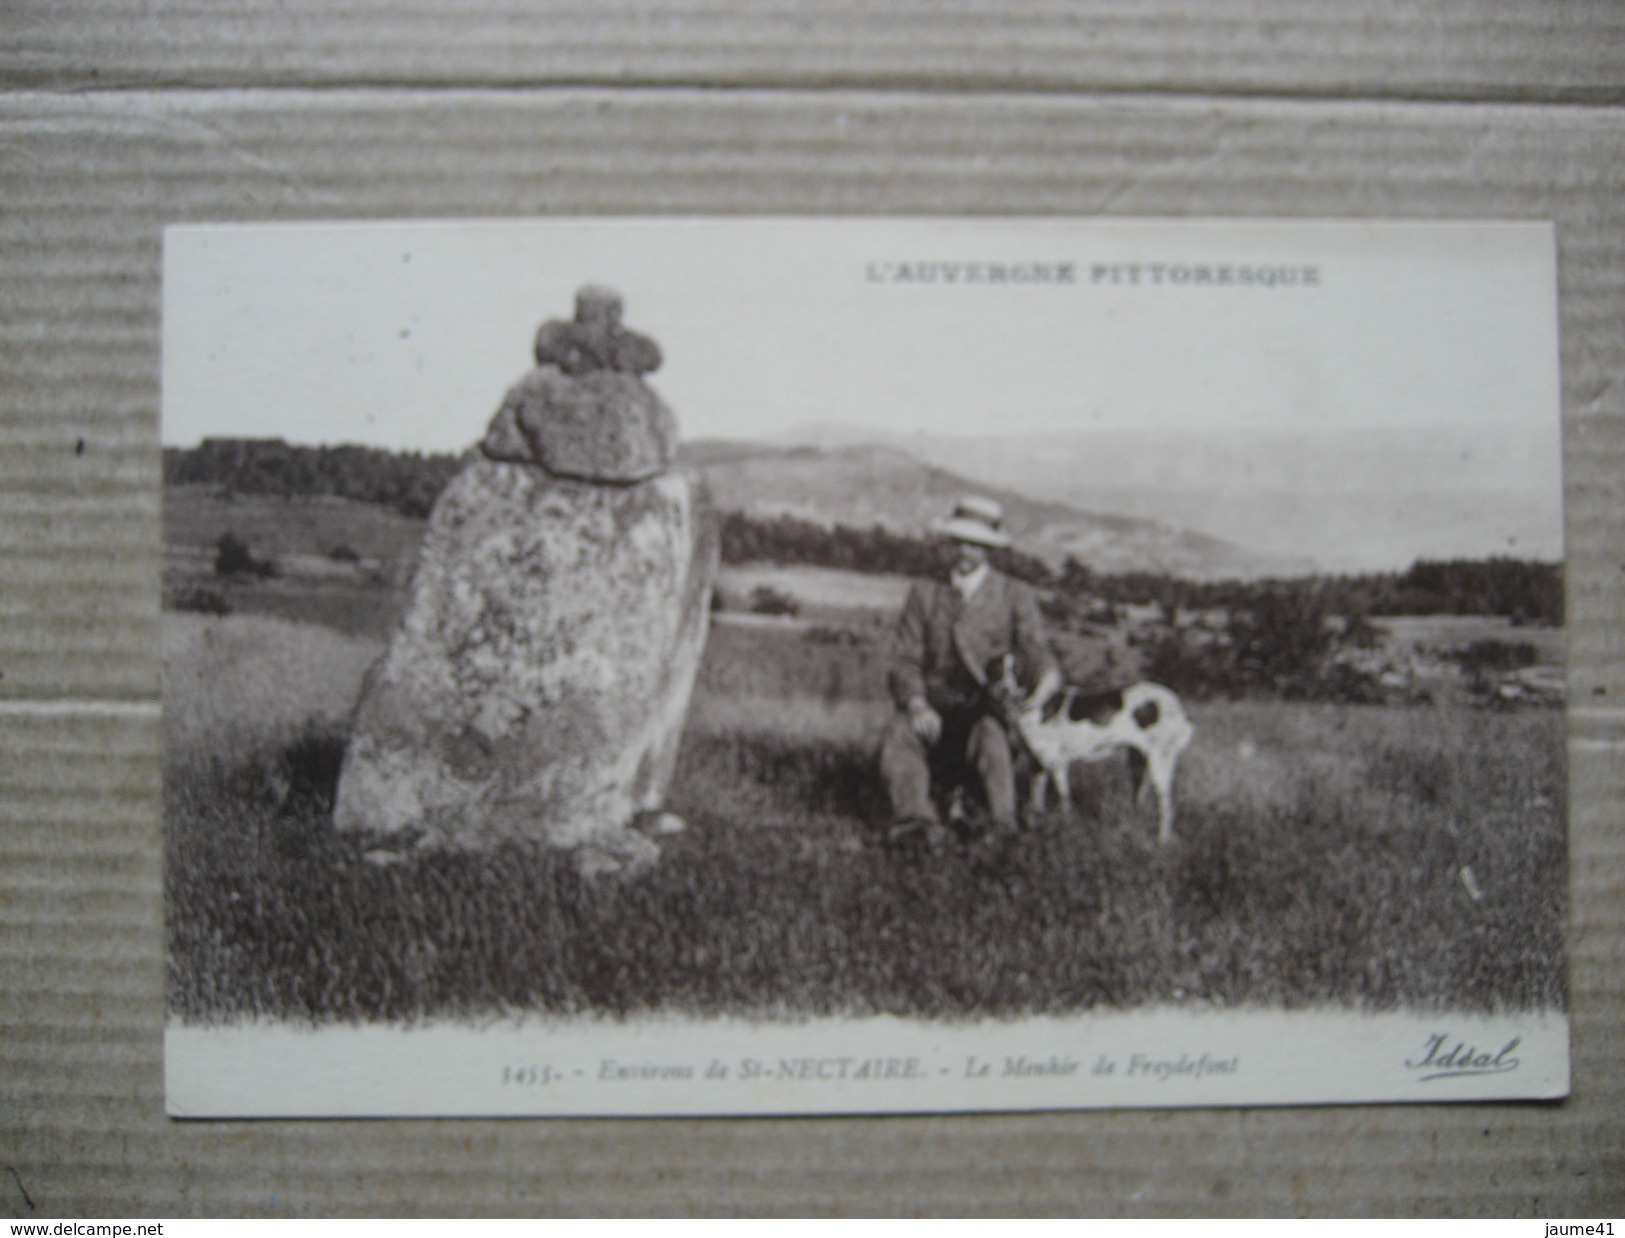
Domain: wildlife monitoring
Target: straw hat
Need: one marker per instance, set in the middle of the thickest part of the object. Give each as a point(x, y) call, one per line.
point(978, 521)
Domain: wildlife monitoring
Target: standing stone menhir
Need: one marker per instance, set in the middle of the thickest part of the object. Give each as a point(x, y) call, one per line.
point(539, 681)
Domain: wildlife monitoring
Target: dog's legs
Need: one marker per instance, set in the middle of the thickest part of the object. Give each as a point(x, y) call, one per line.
point(1161, 770)
point(1061, 777)
point(1136, 774)
point(1040, 787)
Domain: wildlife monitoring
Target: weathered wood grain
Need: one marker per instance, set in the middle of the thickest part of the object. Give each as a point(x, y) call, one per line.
point(1455, 50)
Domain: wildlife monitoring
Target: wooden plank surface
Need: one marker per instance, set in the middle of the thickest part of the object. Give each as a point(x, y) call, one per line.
point(1454, 50)
point(115, 120)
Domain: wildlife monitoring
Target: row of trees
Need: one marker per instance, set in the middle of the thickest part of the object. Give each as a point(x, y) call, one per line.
point(1523, 590)
point(1283, 644)
point(785, 539)
point(1274, 639)
point(408, 481)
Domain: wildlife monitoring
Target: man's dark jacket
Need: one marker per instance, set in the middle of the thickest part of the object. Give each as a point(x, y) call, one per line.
point(944, 642)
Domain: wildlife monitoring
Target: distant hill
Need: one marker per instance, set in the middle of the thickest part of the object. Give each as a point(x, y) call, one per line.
point(858, 485)
point(1375, 498)
point(865, 485)
point(860, 510)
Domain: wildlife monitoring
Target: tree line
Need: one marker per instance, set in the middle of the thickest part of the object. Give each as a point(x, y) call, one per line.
point(407, 481)
point(1523, 590)
point(785, 539)
point(1520, 589)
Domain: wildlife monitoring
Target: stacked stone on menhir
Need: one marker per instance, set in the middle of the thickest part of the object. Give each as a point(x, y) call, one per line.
point(538, 683)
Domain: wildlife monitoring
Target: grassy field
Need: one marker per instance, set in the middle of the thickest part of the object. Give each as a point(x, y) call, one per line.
point(198, 516)
point(819, 590)
point(1372, 857)
point(1443, 631)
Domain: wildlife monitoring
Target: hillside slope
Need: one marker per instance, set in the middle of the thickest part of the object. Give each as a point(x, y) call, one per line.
point(866, 485)
point(1374, 498)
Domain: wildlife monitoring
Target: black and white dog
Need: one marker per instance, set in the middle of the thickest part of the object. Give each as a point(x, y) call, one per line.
point(1146, 720)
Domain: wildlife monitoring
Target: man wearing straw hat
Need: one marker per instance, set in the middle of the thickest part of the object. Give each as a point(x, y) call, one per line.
point(945, 723)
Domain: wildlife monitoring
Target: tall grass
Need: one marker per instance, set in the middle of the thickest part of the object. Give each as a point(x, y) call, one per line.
point(1319, 858)
point(241, 689)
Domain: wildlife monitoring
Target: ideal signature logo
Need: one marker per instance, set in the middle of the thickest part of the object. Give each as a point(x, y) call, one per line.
point(1463, 1059)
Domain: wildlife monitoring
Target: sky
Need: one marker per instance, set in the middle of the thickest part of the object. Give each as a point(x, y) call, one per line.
point(406, 335)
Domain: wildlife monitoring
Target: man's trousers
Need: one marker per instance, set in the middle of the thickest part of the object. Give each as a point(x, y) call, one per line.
point(972, 746)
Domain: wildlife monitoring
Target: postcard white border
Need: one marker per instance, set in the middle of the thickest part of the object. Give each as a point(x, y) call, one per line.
point(536, 1065)
point(679, 1067)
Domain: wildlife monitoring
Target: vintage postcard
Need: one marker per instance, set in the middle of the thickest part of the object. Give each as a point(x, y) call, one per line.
point(745, 666)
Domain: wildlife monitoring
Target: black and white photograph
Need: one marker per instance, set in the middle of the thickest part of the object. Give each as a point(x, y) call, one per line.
point(732, 666)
